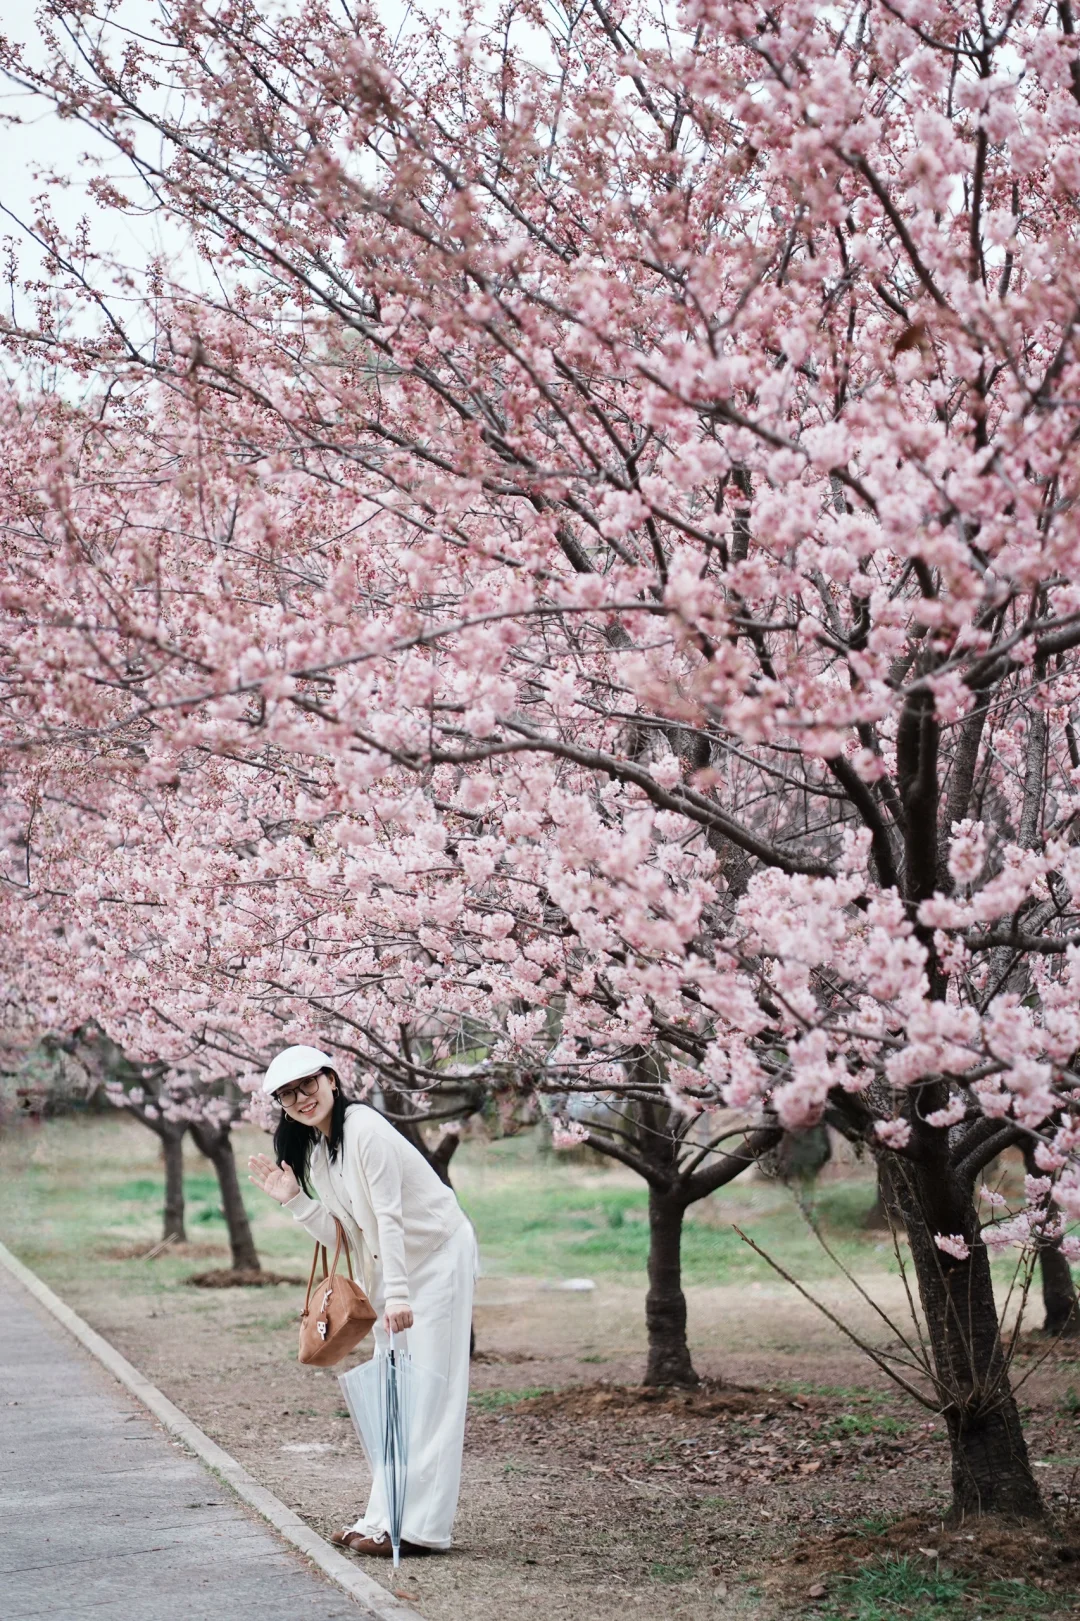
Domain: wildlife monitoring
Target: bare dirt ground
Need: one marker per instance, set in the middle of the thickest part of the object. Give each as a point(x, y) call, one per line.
point(765, 1494)
point(793, 1462)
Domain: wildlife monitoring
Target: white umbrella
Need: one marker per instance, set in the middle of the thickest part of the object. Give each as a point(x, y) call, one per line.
point(391, 1400)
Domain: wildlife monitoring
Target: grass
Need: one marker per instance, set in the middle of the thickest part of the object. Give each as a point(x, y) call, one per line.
point(490, 1401)
point(808, 1387)
point(198, 1189)
point(537, 1214)
point(874, 1524)
point(838, 1429)
point(891, 1588)
point(73, 1188)
point(661, 1572)
point(200, 1192)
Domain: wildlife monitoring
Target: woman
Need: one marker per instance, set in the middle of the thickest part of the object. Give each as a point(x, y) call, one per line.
point(417, 1254)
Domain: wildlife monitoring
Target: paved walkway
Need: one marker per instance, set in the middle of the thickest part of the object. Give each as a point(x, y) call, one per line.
point(103, 1518)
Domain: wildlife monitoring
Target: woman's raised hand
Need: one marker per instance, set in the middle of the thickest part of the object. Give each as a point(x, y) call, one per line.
point(276, 1180)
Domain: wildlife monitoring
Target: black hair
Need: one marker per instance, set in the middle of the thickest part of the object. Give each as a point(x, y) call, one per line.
point(293, 1142)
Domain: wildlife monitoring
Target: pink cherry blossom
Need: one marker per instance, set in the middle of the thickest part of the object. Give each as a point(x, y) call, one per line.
point(595, 628)
point(952, 1244)
point(967, 850)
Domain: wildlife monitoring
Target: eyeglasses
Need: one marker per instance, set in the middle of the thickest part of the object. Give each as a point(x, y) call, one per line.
point(288, 1095)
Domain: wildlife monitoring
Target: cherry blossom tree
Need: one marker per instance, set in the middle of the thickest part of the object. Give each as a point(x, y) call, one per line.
point(142, 1092)
point(65, 984)
point(589, 561)
point(648, 1136)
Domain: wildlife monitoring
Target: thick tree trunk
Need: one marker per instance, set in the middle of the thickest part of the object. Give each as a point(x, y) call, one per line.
point(172, 1149)
point(1058, 1289)
point(665, 1304)
point(217, 1146)
point(991, 1472)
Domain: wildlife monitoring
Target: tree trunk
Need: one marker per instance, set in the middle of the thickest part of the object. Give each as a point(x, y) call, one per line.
point(665, 1304)
point(1059, 1295)
point(1058, 1289)
point(172, 1149)
point(800, 1155)
point(440, 1156)
point(991, 1472)
point(408, 1121)
point(217, 1146)
point(884, 1214)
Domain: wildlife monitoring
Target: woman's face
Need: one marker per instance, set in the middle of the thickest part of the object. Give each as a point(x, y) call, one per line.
point(310, 1102)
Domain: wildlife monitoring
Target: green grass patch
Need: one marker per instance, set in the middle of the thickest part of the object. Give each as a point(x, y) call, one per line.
point(1012, 1600)
point(874, 1524)
point(891, 1588)
point(201, 1193)
point(78, 1187)
point(670, 1573)
point(139, 1192)
point(808, 1387)
point(848, 1424)
point(491, 1401)
point(540, 1215)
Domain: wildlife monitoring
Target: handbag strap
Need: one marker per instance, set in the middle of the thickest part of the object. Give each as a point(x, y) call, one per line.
point(311, 1274)
point(342, 1240)
point(348, 1251)
point(337, 1252)
point(329, 1270)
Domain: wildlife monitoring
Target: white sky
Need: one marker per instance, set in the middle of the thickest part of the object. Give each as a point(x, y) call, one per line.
point(46, 155)
point(48, 144)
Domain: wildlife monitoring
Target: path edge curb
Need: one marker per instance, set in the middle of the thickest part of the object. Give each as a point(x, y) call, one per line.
point(285, 1521)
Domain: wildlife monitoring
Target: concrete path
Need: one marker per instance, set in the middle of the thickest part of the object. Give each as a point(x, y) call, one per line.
point(103, 1518)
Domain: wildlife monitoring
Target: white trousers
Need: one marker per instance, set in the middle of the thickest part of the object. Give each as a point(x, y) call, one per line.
point(441, 1293)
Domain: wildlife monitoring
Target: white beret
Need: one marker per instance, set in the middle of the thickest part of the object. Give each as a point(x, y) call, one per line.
point(294, 1064)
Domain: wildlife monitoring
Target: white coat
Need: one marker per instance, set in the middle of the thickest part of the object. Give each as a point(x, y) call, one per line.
point(416, 1248)
point(394, 1208)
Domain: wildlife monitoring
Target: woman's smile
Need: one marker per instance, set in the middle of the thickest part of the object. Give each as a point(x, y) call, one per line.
point(310, 1101)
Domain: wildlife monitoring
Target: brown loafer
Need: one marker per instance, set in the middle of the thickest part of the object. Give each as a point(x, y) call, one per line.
point(375, 1547)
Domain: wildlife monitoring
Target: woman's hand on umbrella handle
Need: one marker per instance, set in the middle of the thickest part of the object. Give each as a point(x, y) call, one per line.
point(276, 1180)
point(398, 1319)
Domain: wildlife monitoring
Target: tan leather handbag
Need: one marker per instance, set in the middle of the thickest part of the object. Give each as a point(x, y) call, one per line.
point(339, 1314)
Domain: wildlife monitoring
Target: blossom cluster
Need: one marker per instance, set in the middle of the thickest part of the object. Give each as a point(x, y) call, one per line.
point(599, 576)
